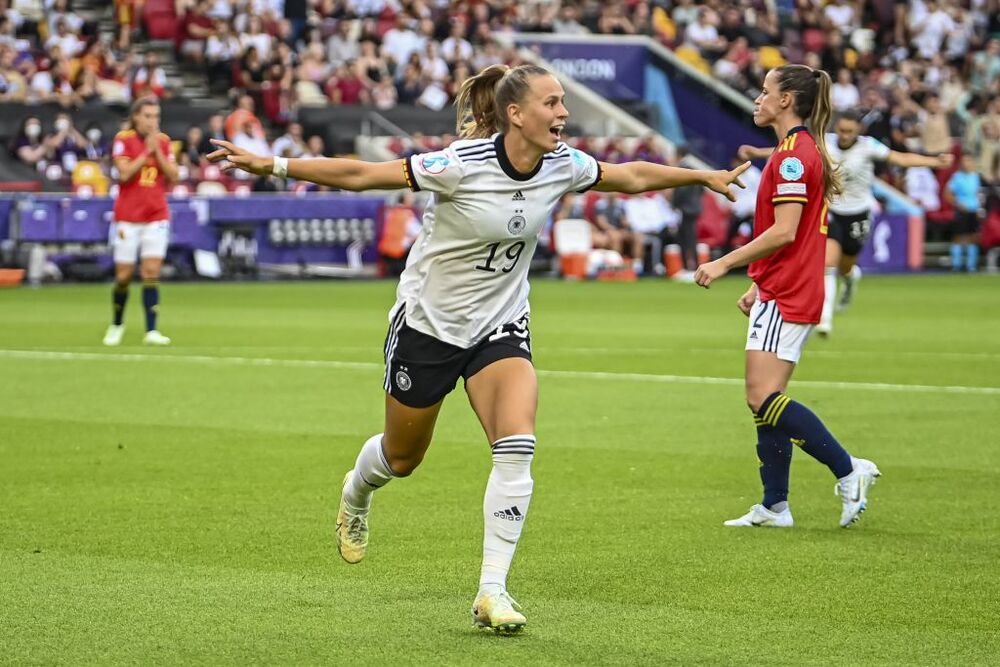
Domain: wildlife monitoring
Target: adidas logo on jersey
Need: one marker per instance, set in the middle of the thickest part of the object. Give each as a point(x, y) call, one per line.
point(753, 335)
point(512, 514)
point(518, 196)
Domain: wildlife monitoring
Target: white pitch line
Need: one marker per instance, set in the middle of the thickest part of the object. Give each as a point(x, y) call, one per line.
point(43, 355)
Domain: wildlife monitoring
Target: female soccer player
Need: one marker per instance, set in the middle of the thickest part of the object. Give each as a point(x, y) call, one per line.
point(141, 216)
point(462, 303)
point(854, 156)
point(786, 297)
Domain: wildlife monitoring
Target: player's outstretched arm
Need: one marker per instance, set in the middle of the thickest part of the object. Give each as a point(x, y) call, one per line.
point(748, 152)
point(339, 173)
point(635, 177)
point(942, 161)
point(774, 238)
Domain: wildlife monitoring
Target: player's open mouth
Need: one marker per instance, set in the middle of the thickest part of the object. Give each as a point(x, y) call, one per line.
point(556, 131)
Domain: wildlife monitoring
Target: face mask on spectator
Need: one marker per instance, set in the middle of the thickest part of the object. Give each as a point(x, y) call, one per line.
point(94, 135)
point(32, 130)
point(62, 124)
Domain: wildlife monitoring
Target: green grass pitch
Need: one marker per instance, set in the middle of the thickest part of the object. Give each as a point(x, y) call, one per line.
point(176, 506)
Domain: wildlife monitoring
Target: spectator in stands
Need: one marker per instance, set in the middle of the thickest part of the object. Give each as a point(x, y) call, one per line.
point(49, 83)
point(149, 80)
point(222, 48)
point(216, 130)
point(964, 190)
point(844, 94)
point(312, 66)
point(929, 28)
point(985, 70)
point(614, 20)
point(935, 132)
point(703, 35)
point(374, 66)
point(456, 47)
point(69, 42)
point(13, 86)
point(842, 15)
point(459, 74)
point(609, 213)
point(411, 87)
point(315, 147)
point(342, 45)
point(96, 148)
point(921, 185)
point(602, 235)
point(399, 42)
point(243, 112)
point(67, 142)
point(60, 10)
point(567, 21)
point(347, 86)
point(29, 146)
point(256, 37)
point(384, 95)
point(433, 67)
point(195, 29)
point(252, 72)
point(190, 155)
point(291, 143)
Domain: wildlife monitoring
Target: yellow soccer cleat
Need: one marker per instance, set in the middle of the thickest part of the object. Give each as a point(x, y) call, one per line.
point(352, 530)
point(499, 612)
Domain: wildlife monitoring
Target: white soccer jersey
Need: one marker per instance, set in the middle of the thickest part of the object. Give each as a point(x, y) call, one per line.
point(467, 273)
point(857, 172)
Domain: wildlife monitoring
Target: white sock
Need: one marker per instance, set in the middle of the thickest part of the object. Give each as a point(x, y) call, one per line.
point(505, 506)
point(830, 295)
point(371, 471)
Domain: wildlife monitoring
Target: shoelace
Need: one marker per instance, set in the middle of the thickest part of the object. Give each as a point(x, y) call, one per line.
point(356, 526)
point(505, 599)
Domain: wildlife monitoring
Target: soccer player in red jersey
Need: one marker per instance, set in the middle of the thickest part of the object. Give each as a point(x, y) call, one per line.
point(784, 303)
point(146, 167)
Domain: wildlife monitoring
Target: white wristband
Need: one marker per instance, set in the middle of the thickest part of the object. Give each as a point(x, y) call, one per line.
point(280, 168)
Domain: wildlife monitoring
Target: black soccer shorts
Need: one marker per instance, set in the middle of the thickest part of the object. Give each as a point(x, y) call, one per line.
point(420, 370)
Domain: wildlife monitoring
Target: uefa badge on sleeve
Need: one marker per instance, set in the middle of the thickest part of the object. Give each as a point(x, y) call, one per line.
point(791, 169)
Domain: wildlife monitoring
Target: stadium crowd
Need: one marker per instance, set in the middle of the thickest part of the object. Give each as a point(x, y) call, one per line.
point(924, 74)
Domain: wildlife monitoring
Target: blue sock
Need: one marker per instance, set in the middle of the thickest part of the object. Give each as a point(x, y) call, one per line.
point(956, 257)
point(774, 450)
point(150, 301)
point(972, 263)
point(806, 430)
point(119, 296)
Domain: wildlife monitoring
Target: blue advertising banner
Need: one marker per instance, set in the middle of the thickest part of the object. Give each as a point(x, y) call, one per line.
point(616, 71)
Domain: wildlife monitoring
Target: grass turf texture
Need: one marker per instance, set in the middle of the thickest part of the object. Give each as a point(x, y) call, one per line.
point(179, 507)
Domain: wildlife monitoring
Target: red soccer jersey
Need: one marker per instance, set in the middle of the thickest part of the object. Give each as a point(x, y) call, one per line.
point(794, 274)
point(143, 198)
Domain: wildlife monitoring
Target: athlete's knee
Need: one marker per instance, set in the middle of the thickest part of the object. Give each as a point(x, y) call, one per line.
point(404, 465)
point(757, 395)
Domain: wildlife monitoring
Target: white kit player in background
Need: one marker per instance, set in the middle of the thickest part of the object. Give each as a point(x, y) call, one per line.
point(461, 307)
point(851, 212)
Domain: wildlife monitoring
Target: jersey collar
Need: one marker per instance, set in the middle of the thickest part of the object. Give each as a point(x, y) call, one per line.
point(506, 165)
point(797, 128)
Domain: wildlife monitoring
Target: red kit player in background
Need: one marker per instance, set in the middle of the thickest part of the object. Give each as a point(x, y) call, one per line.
point(785, 301)
point(141, 218)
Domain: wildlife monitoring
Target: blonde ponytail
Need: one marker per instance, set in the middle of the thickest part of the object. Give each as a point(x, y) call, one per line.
point(483, 99)
point(813, 104)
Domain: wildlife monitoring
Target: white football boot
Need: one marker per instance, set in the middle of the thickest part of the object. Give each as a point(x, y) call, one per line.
point(154, 337)
point(113, 336)
point(853, 490)
point(352, 529)
point(761, 516)
point(498, 611)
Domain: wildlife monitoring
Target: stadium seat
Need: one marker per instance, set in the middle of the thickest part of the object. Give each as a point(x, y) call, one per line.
point(211, 189)
point(160, 19)
point(87, 176)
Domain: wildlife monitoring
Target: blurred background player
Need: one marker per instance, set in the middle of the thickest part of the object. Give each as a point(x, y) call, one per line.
point(786, 298)
point(963, 190)
point(462, 303)
point(850, 219)
point(146, 166)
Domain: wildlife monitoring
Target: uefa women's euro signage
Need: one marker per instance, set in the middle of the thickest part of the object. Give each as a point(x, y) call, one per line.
point(616, 71)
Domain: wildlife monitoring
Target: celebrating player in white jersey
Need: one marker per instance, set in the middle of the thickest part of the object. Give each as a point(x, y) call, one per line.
point(462, 303)
point(850, 212)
